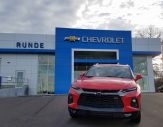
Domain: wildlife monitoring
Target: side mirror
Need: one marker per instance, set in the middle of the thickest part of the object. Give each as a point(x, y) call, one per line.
point(138, 76)
point(81, 75)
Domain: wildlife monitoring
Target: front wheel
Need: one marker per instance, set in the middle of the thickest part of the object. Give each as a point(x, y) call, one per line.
point(73, 113)
point(136, 117)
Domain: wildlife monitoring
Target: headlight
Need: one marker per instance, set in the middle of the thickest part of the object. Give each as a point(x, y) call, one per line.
point(75, 87)
point(129, 90)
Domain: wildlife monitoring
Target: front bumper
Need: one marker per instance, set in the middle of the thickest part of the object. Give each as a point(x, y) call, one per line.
point(107, 110)
point(125, 98)
point(113, 113)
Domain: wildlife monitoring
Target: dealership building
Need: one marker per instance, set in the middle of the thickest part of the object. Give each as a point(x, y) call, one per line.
point(49, 63)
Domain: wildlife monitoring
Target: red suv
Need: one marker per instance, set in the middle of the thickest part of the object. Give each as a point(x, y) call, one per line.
point(106, 89)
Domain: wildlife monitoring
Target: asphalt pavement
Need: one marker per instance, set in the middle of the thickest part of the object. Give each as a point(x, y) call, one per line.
point(51, 111)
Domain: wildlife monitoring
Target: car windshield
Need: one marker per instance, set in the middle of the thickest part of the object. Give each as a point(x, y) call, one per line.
point(110, 71)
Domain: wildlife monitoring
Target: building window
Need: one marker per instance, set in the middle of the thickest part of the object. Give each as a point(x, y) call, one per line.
point(140, 66)
point(0, 67)
point(46, 74)
point(80, 67)
point(101, 55)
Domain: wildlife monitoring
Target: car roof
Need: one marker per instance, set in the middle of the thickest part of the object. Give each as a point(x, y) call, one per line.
point(101, 65)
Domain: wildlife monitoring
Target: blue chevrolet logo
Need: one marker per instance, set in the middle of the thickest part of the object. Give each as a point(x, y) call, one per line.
point(72, 38)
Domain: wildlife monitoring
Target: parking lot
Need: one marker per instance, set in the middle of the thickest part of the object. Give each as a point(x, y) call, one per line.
point(51, 111)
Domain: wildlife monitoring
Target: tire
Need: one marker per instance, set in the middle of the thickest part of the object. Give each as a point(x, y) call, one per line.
point(136, 117)
point(73, 113)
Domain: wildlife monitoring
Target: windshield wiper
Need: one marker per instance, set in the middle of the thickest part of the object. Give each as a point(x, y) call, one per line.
point(109, 76)
point(89, 76)
point(123, 77)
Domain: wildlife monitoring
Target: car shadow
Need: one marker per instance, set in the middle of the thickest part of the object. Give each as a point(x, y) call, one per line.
point(100, 122)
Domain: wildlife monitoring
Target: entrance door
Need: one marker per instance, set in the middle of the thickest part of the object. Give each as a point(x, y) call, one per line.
point(45, 74)
point(83, 59)
point(19, 78)
point(140, 67)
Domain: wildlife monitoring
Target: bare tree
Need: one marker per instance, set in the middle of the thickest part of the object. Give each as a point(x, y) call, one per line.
point(150, 32)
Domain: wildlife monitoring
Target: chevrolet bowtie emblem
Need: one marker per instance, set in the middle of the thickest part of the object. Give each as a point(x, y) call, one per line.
point(72, 38)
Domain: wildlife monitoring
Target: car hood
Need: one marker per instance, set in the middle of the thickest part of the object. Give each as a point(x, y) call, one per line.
point(105, 83)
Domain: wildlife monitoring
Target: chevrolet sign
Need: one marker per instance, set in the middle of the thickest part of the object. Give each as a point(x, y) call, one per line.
point(103, 39)
point(116, 40)
point(72, 38)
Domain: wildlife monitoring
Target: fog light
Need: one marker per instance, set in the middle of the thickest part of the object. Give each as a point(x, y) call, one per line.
point(134, 100)
point(70, 99)
point(134, 103)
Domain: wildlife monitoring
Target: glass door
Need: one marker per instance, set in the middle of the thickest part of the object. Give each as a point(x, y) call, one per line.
point(140, 67)
point(46, 74)
point(19, 78)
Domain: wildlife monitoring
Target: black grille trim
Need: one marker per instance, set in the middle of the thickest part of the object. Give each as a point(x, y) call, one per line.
point(100, 100)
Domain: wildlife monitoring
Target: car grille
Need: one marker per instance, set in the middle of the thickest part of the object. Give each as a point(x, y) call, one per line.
point(100, 101)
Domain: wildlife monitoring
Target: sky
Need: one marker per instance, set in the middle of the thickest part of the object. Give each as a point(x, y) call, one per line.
point(42, 16)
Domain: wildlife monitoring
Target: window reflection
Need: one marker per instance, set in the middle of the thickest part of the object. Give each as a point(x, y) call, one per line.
point(140, 67)
point(46, 74)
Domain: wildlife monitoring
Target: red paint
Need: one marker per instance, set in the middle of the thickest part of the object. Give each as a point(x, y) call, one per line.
point(108, 83)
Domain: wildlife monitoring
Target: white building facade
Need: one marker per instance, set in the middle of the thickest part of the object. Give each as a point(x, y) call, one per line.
point(29, 59)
